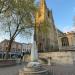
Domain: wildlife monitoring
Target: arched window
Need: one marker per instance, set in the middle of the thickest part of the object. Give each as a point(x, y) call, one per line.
point(40, 47)
point(48, 13)
point(65, 41)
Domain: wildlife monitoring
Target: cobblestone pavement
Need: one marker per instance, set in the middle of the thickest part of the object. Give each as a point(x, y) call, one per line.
point(54, 70)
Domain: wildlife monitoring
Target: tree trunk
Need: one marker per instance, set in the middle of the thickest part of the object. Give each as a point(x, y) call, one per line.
point(9, 48)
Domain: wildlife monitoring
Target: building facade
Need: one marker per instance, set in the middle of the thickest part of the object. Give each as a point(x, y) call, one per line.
point(45, 29)
point(16, 46)
point(26, 48)
point(66, 41)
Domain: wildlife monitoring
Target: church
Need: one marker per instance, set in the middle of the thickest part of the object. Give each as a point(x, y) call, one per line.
point(45, 29)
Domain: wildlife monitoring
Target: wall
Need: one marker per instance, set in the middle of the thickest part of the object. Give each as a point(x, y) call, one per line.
point(57, 57)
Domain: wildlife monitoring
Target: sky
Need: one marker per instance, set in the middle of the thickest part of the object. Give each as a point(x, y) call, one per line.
point(63, 13)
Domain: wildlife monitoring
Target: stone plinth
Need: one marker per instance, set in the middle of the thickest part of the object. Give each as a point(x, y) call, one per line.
point(34, 69)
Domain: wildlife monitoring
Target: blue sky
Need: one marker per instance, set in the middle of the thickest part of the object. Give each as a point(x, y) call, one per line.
point(63, 13)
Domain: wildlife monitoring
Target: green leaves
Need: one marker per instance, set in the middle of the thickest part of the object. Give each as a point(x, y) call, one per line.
point(24, 11)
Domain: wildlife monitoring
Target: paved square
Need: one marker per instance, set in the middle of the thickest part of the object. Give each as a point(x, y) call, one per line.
point(55, 70)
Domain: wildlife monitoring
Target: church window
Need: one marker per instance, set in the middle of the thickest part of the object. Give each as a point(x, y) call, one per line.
point(48, 14)
point(65, 41)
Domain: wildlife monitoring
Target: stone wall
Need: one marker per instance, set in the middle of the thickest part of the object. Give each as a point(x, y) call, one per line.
point(57, 57)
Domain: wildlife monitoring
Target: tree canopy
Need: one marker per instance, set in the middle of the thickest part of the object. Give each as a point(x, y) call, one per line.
point(16, 16)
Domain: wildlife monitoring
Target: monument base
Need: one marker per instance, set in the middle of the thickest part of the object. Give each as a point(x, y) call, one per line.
point(34, 68)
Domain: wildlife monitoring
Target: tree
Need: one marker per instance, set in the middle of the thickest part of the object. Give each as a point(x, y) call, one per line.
point(17, 16)
point(4, 5)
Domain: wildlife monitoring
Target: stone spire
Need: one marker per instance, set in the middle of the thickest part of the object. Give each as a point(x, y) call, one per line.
point(40, 15)
point(42, 3)
point(42, 7)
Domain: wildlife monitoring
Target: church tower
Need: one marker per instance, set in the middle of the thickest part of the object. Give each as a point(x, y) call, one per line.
point(40, 16)
point(45, 29)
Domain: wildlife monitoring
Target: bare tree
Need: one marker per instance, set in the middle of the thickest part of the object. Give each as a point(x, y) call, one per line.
point(17, 17)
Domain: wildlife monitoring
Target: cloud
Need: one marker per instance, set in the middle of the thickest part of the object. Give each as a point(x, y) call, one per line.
point(73, 28)
point(68, 28)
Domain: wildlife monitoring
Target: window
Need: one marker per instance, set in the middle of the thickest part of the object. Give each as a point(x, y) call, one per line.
point(48, 13)
point(65, 41)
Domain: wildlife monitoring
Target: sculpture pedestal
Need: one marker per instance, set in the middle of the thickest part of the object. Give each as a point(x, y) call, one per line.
point(34, 68)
